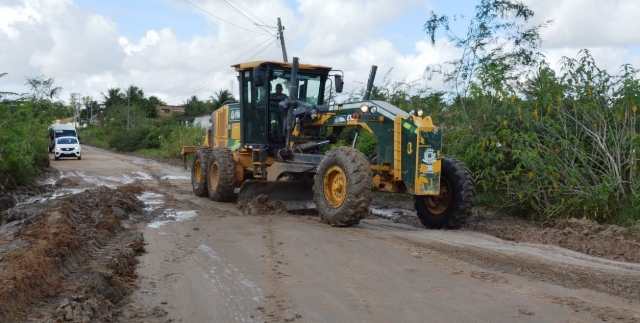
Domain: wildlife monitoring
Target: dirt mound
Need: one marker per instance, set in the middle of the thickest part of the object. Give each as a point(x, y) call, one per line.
point(69, 182)
point(589, 237)
point(78, 251)
point(261, 205)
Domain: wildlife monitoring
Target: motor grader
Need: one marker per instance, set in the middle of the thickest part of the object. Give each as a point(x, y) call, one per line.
point(278, 145)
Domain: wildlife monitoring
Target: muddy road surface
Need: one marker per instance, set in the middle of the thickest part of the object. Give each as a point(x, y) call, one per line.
point(119, 238)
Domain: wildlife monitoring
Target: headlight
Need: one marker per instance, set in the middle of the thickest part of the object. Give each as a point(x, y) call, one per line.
point(314, 114)
point(412, 112)
point(76, 148)
point(364, 108)
point(420, 113)
point(374, 109)
point(58, 149)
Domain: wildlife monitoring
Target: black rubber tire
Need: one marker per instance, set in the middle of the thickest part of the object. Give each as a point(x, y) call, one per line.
point(223, 166)
point(359, 180)
point(56, 158)
point(80, 158)
point(462, 188)
point(200, 161)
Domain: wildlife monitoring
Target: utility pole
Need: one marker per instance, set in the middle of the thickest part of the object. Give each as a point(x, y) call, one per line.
point(87, 100)
point(281, 35)
point(128, 109)
point(75, 105)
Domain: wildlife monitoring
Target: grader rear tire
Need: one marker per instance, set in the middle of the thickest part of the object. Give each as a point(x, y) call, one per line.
point(199, 171)
point(342, 187)
point(451, 209)
point(222, 175)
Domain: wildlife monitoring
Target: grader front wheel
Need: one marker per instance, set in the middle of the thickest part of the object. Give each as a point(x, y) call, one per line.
point(453, 206)
point(222, 175)
point(342, 187)
point(199, 172)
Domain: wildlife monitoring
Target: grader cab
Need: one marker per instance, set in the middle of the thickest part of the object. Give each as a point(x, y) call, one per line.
point(278, 145)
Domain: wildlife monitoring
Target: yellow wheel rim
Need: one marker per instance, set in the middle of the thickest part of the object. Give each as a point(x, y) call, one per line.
point(439, 204)
point(335, 186)
point(213, 175)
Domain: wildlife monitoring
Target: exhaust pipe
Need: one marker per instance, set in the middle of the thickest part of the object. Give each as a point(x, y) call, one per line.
point(372, 76)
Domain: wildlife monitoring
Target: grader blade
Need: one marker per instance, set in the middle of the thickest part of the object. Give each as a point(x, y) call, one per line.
point(296, 195)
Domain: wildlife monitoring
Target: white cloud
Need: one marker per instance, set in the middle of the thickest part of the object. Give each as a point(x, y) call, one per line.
point(88, 53)
point(588, 23)
point(10, 15)
point(609, 58)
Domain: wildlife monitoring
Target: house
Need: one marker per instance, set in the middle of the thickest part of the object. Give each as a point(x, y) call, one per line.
point(96, 119)
point(203, 120)
point(165, 111)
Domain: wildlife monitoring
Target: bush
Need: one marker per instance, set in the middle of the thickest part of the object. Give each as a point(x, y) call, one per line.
point(568, 148)
point(23, 145)
point(171, 145)
point(132, 140)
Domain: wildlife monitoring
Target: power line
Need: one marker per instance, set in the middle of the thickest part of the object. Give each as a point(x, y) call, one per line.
point(219, 78)
point(203, 63)
point(244, 15)
point(221, 18)
point(218, 68)
point(263, 23)
point(258, 11)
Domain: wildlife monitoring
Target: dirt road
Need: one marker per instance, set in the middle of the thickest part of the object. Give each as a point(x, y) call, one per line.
point(201, 261)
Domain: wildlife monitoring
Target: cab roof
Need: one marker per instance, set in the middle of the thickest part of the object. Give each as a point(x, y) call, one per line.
point(250, 65)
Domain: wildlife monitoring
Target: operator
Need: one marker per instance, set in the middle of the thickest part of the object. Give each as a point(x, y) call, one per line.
point(279, 95)
point(276, 116)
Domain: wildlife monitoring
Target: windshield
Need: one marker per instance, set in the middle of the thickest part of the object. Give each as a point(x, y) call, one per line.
point(67, 141)
point(65, 133)
point(309, 86)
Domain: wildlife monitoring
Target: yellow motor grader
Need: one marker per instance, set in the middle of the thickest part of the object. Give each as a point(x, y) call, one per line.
point(274, 144)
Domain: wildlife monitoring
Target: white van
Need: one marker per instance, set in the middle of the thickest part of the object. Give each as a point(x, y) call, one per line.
point(61, 130)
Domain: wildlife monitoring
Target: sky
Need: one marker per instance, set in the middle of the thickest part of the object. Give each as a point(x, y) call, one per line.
point(175, 49)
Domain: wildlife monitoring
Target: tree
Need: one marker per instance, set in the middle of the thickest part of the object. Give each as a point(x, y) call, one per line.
point(91, 108)
point(4, 94)
point(150, 105)
point(113, 97)
point(222, 97)
point(194, 107)
point(498, 42)
point(41, 94)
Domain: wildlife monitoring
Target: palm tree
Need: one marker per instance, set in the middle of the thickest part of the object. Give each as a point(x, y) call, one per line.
point(134, 94)
point(222, 97)
point(113, 97)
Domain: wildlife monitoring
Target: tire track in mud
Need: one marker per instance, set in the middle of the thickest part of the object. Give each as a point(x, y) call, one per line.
point(279, 307)
point(468, 260)
point(76, 261)
point(357, 285)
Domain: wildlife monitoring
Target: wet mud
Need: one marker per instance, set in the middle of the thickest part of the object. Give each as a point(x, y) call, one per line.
point(261, 205)
point(71, 258)
point(581, 235)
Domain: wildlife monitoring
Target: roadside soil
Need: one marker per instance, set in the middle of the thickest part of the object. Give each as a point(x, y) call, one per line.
point(120, 238)
point(581, 235)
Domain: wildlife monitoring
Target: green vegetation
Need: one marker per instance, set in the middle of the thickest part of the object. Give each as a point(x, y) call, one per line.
point(24, 120)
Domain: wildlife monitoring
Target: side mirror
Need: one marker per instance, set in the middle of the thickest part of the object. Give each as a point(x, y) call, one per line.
point(259, 76)
point(339, 83)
